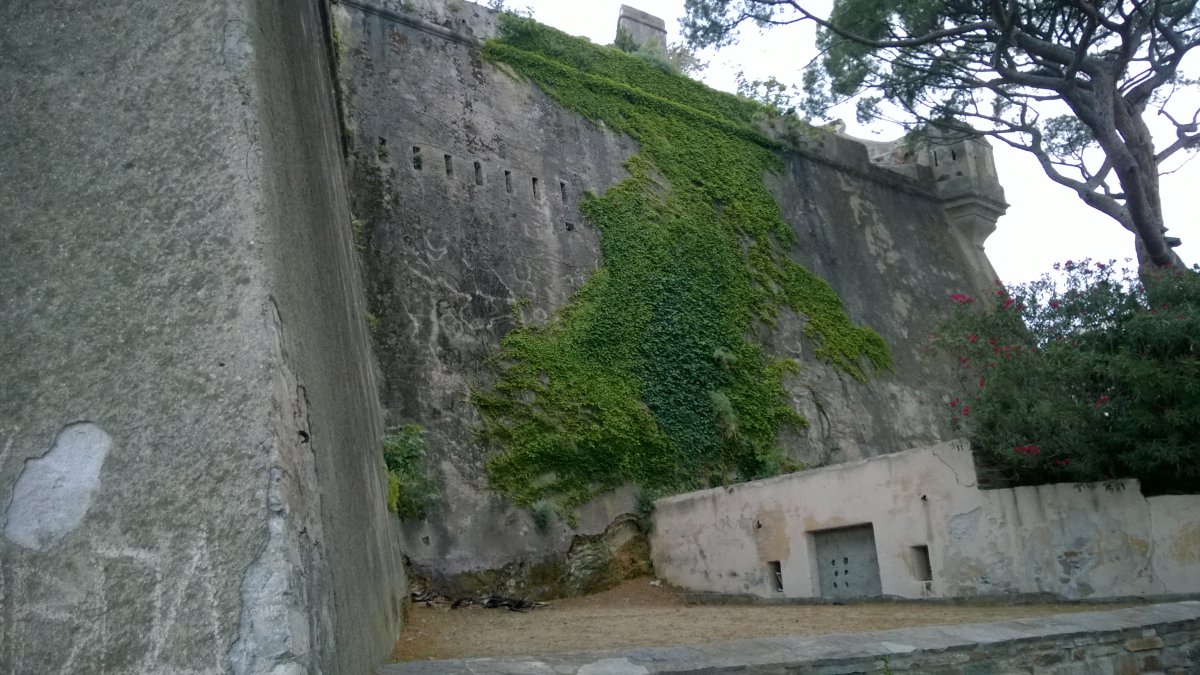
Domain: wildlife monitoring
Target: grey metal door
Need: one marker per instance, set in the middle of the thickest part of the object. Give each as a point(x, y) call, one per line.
point(847, 563)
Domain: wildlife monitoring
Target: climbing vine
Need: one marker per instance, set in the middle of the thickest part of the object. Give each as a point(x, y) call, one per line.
point(651, 374)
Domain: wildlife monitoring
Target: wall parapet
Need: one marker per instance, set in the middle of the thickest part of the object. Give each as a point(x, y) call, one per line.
point(962, 171)
point(966, 182)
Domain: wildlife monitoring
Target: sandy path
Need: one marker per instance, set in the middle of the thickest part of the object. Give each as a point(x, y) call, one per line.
point(636, 614)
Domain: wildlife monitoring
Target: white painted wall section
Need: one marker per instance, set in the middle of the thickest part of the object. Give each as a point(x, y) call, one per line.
point(1071, 540)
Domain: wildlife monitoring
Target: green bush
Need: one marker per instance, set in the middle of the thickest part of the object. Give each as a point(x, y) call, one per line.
point(411, 489)
point(1093, 378)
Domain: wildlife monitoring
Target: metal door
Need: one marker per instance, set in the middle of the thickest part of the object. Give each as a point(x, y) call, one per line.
point(847, 563)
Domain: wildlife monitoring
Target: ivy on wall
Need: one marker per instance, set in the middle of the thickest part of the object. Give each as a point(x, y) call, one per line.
point(652, 374)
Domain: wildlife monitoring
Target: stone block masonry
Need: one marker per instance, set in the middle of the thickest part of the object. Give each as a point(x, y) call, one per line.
point(190, 471)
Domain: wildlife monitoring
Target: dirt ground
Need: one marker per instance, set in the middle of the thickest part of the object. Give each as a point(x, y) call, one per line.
point(638, 614)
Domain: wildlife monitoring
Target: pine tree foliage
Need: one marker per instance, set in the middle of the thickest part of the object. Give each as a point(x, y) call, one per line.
point(1070, 81)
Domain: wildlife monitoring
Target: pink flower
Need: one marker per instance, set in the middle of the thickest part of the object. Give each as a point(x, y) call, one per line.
point(961, 298)
point(972, 338)
point(1054, 304)
point(1008, 302)
point(954, 403)
point(966, 410)
point(1063, 462)
point(1101, 401)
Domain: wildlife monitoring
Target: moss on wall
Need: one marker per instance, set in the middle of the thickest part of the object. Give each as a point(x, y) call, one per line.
point(652, 373)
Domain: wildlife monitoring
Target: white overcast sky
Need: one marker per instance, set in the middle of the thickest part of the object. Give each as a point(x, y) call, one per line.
point(1045, 223)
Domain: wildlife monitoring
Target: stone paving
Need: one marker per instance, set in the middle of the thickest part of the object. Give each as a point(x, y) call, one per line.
point(1160, 638)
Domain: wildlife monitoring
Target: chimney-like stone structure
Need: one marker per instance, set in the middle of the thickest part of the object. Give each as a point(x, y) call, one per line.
point(647, 30)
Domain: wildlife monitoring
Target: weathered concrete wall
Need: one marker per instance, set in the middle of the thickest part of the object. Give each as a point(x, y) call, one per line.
point(1070, 540)
point(1154, 639)
point(189, 463)
point(1174, 521)
point(454, 238)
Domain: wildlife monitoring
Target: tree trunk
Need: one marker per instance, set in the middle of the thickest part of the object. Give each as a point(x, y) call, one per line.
point(1137, 173)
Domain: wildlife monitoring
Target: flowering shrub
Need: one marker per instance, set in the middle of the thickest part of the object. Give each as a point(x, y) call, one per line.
point(1093, 377)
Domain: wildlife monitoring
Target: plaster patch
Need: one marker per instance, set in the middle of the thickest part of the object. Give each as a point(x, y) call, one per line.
point(54, 491)
point(1185, 546)
point(613, 667)
point(963, 527)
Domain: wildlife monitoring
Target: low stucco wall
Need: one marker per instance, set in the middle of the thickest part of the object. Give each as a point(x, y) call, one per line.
point(1071, 540)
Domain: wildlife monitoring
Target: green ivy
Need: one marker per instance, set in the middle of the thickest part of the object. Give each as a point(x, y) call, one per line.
point(412, 491)
point(652, 373)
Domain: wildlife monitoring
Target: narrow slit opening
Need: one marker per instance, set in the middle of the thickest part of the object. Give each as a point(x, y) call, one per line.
point(478, 173)
point(537, 192)
point(775, 570)
point(416, 158)
point(449, 165)
point(508, 181)
point(922, 567)
point(562, 190)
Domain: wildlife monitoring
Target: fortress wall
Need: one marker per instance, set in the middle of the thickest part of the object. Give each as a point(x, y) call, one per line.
point(886, 246)
point(450, 250)
point(189, 462)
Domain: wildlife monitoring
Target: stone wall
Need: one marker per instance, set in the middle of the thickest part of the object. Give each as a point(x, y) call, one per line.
point(645, 30)
point(446, 152)
point(190, 468)
point(935, 534)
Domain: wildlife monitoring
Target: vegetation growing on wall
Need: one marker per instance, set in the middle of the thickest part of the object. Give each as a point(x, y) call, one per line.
point(411, 490)
point(652, 374)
